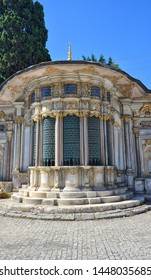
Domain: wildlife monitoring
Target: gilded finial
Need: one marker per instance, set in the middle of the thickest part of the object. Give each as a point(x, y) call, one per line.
point(69, 52)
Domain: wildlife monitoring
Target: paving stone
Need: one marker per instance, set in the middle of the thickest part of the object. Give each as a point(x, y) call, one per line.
point(45, 216)
point(2, 212)
point(87, 216)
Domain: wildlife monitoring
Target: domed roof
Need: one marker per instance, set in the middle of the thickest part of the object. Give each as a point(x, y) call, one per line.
point(113, 80)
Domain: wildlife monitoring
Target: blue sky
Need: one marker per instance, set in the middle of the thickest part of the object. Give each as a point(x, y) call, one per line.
point(116, 28)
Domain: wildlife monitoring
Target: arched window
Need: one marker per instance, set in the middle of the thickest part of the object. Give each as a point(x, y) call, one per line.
point(95, 91)
point(71, 140)
point(45, 92)
point(70, 89)
point(48, 151)
point(94, 141)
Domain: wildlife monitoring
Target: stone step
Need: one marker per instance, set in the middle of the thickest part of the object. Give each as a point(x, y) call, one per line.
point(97, 208)
point(32, 200)
point(94, 200)
point(80, 198)
point(119, 197)
point(112, 192)
point(16, 197)
point(86, 212)
point(80, 211)
point(80, 194)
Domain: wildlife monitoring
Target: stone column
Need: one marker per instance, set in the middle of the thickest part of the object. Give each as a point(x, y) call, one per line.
point(17, 142)
point(31, 139)
point(40, 143)
point(57, 135)
point(123, 153)
point(15, 146)
point(138, 154)
point(9, 141)
point(116, 147)
point(31, 178)
point(105, 142)
point(4, 145)
point(86, 153)
point(22, 146)
point(61, 140)
point(37, 143)
point(112, 142)
point(129, 170)
point(127, 142)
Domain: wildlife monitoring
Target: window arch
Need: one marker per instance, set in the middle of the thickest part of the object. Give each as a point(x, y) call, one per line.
point(70, 89)
point(95, 91)
point(45, 92)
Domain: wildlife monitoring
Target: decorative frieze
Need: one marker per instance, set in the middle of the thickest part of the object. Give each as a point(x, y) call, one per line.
point(145, 123)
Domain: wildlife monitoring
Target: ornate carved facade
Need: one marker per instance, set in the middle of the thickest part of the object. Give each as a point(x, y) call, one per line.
point(72, 125)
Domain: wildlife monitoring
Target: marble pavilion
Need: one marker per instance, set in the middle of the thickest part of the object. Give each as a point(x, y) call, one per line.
point(74, 132)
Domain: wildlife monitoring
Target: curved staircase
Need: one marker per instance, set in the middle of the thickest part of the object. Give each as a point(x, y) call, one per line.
point(84, 200)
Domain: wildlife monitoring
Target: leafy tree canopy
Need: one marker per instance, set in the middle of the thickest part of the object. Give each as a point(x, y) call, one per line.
point(101, 59)
point(23, 36)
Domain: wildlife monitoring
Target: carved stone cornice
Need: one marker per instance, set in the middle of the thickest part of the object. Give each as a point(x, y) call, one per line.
point(71, 112)
point(95, 114)
point(48, 114)
point(84, 114)
point(145, 124)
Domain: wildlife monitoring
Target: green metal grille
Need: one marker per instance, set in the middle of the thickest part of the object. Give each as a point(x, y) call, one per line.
point(48, 152)
point(71, 140)
point(94, 141)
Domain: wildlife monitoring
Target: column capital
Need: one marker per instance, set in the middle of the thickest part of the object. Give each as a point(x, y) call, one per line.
point(37, 118)
point(83, 114)
point(126, 118)
point(104, 117)
point(19, 119)
point(136, 133)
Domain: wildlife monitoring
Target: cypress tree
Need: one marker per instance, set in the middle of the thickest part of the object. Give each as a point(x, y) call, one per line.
point(23, 36)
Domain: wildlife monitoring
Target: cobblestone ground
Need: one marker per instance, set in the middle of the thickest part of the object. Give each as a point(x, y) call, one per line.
point(123, 238)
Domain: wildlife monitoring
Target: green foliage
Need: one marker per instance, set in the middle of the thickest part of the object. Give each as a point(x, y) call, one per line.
point(23, 36)
point(102, 60)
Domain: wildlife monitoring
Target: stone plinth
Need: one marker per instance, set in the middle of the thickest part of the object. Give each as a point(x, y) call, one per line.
point(99, 179)
point(71, 178)
point(139, 185)
point(148, 185)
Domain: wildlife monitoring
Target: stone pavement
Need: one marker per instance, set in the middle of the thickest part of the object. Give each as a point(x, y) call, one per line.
point(118, 238)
